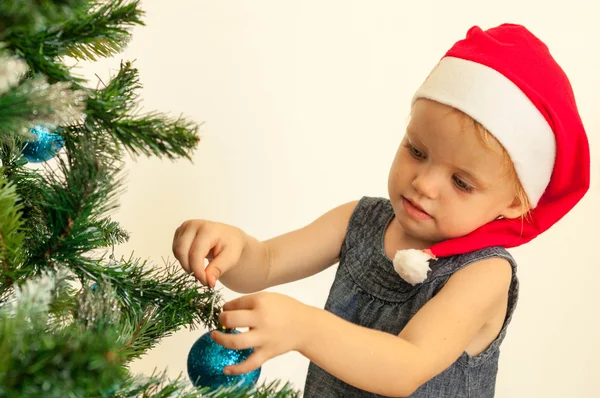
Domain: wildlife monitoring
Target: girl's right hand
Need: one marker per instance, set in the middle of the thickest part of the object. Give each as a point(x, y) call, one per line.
point(220, 244)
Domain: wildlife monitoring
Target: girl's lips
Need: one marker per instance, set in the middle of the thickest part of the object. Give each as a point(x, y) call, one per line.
point(414, 210)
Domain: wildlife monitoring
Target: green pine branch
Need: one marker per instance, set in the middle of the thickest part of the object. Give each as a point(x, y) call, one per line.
point(83, 351)
point(72, 316)
point(114, 109)
point(29, 186)
point(12, 235)
point(155, 301)
point(43, 357)
point(113, 233)
point(71, 203)
point(102, 32)
point(98, 29)
point(33, 101)
point(68, 205)
point(31, 16)
point(18, 111)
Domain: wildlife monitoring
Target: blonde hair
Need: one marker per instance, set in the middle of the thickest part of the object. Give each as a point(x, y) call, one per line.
point(512, 177)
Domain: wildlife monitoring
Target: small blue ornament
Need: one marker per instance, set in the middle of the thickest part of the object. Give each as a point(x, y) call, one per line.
point(207, 359)
point(44, 147)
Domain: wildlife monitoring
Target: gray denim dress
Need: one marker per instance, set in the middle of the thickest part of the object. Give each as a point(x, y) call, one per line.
point(368, 292)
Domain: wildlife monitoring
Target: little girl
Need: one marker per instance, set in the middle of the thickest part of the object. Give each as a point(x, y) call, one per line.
point(495, 153)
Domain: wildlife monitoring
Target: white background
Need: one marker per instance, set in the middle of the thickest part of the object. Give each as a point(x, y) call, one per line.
point(303, 105)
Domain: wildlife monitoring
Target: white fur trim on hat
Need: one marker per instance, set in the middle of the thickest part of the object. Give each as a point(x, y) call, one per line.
point(412, 265)
point(504, 110)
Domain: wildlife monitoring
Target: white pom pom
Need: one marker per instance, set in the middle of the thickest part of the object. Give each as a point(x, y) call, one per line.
point(412, 265)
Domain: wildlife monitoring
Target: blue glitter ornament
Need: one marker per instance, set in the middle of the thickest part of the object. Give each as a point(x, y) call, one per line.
point(207, 359)
point(44, 146)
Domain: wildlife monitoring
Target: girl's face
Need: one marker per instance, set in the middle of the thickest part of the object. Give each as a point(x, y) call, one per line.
point(443, 168)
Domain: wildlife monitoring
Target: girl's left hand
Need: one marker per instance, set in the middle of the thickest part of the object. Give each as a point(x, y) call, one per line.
point(277, 324)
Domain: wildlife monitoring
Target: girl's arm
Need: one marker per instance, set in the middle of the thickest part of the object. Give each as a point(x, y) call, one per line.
point(292, 256)
point(245, 264)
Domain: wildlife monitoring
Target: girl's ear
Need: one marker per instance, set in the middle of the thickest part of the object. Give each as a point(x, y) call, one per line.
point(514, 210)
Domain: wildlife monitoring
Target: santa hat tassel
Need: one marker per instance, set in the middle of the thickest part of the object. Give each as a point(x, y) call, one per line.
point(413, 265)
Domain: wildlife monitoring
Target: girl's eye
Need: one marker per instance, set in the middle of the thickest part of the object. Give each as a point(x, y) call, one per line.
point(415, 152)
point(463, 186)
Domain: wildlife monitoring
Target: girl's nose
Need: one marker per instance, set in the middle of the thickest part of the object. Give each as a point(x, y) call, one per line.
point(426, 184)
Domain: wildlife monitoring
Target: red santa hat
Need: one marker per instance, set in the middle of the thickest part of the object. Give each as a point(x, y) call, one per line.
point(506, 79)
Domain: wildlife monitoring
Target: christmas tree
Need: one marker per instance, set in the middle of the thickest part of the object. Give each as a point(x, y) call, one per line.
point(72, 315)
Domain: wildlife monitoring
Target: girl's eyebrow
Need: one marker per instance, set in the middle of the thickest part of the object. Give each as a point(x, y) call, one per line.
point(412, 137)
